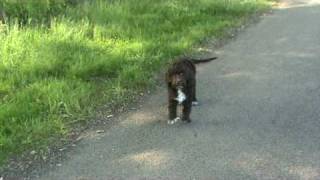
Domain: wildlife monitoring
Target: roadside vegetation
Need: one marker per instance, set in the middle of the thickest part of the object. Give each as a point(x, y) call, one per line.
point(60, 59)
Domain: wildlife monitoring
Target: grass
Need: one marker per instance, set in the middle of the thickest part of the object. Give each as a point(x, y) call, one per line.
point(99, 52)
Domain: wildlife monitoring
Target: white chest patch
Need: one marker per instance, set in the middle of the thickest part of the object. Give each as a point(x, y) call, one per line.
point(181, 96)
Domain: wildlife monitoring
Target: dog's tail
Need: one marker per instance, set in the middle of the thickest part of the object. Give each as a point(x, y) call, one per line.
point(196, 61)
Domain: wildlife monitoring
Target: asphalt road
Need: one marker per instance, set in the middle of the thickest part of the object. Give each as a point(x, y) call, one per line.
point(259, 116)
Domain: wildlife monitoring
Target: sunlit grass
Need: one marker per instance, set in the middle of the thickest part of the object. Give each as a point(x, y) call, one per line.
point(96, 53)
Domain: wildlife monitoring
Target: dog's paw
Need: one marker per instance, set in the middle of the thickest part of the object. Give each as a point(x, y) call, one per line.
point(195, 103)
point(186, 120)
point(173, 121)
point(170, 122)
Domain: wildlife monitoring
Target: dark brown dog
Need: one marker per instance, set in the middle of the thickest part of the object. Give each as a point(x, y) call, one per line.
point(181, 82)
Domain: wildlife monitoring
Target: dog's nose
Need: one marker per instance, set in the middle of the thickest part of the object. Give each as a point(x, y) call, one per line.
point(180, 83)
point(179, 86)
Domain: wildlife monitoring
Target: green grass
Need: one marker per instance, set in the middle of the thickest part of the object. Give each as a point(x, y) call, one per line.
point(101, 52)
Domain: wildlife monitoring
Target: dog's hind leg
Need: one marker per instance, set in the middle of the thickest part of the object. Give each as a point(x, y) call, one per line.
point(193, 92)
point(186, 111)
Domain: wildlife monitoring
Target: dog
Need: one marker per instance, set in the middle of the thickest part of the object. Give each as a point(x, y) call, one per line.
point(181, 83)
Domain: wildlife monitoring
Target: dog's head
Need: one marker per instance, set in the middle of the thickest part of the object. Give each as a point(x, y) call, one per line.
point(177, 80)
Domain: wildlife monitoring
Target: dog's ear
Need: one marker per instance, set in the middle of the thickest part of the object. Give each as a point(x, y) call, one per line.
point(168, 79)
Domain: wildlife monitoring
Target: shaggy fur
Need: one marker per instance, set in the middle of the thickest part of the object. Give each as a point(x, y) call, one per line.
point(181, 77)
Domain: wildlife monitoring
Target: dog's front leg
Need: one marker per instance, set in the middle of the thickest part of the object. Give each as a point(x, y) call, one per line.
point(187, 104)
point(172, 109)
point(172, 106)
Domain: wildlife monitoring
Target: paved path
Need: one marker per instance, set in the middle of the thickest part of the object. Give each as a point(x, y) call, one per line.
point(259, 116)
